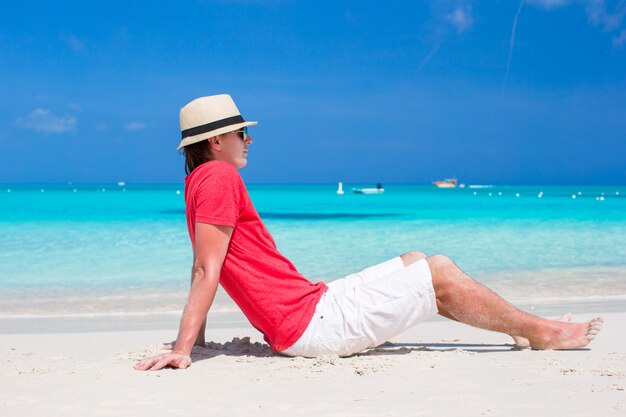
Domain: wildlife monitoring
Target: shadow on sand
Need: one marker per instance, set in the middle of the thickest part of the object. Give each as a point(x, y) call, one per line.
point(242, 347)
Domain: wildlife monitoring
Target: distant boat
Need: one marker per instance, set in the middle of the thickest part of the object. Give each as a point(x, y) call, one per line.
point(446, 183)
point(121, 183)
point(378, 190)
point(340, 188)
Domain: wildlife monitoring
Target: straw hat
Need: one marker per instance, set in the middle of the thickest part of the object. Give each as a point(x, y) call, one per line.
point(210, 116)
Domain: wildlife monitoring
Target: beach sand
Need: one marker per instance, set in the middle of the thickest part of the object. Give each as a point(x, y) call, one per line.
point(437, 368)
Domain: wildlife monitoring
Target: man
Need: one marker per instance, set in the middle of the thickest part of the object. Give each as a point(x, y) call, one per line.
point(298, 318)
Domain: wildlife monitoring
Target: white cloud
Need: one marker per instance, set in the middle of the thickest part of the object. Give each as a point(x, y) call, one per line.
point(599, 15)
point(620, 40)
point(133, 126)
point(43, 120)
point(73, 42)
point(597, 11)
point(461, 18)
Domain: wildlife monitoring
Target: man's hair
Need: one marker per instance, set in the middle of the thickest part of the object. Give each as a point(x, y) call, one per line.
point(196, 154)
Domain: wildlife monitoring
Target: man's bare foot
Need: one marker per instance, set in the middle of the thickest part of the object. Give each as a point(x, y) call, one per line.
point(567, 335)
point(523, 343)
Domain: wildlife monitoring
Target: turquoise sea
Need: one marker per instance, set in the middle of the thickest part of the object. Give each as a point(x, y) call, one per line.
point(107, 249)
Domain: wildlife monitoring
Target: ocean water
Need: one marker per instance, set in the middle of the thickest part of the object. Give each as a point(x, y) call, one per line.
point(107, 249)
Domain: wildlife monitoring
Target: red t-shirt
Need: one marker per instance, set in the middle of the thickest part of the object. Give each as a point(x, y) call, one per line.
point(273, 295)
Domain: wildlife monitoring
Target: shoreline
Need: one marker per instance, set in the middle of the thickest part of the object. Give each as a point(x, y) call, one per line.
point(228, 315)
point(160, 308)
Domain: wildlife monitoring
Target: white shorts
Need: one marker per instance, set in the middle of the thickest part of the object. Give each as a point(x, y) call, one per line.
point(368, 308)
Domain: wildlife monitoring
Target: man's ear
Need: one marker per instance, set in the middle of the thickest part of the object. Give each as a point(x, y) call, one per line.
point(214, 143)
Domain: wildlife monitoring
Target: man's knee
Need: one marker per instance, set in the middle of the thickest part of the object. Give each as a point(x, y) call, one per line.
point(413, 256)
point(439, 261)
point(440, 270)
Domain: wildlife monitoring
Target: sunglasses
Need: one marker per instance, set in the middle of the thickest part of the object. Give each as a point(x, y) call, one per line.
point(242, 133)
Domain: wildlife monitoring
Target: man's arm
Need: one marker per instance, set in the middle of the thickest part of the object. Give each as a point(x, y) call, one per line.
point(201, 333)
point(200, 340)
point(210, 251)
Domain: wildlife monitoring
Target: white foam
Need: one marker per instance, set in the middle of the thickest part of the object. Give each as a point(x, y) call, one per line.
point(67, 315)
point(574, 299)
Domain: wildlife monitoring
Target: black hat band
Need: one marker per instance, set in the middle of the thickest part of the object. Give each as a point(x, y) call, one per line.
point(212, 126)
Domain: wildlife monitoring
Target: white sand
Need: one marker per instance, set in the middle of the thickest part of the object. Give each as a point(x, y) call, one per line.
point(438, 368)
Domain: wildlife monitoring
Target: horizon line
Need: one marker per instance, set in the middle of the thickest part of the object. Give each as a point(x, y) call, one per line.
point(467, 185)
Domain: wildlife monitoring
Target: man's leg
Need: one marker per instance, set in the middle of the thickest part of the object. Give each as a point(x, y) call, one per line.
point(414, 256)
point(410, 257)
point(469, 302)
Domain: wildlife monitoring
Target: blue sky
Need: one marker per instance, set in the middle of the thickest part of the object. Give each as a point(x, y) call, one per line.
point(355, 91)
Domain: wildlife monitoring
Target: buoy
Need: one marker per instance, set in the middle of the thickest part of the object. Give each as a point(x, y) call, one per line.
point(602, 198)
point(474, 192)
point(516, 194)
point(177, 192)
point(340, 188)
point(489, 194)
point(9, 190)
point(574, 196)
point(500, 193)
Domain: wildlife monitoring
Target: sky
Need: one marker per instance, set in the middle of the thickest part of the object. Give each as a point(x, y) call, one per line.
point(492, 92)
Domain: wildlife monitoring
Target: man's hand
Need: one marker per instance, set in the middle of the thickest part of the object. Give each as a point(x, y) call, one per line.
point(175, 360)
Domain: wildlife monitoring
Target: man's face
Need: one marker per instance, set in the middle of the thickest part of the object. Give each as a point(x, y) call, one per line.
point(233, 148)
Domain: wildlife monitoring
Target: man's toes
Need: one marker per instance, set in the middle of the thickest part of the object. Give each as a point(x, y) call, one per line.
point(596, 325)
point(594, 328)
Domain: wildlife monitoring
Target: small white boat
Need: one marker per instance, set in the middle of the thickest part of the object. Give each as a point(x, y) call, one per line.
point(340, 188)
point(368, 190)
